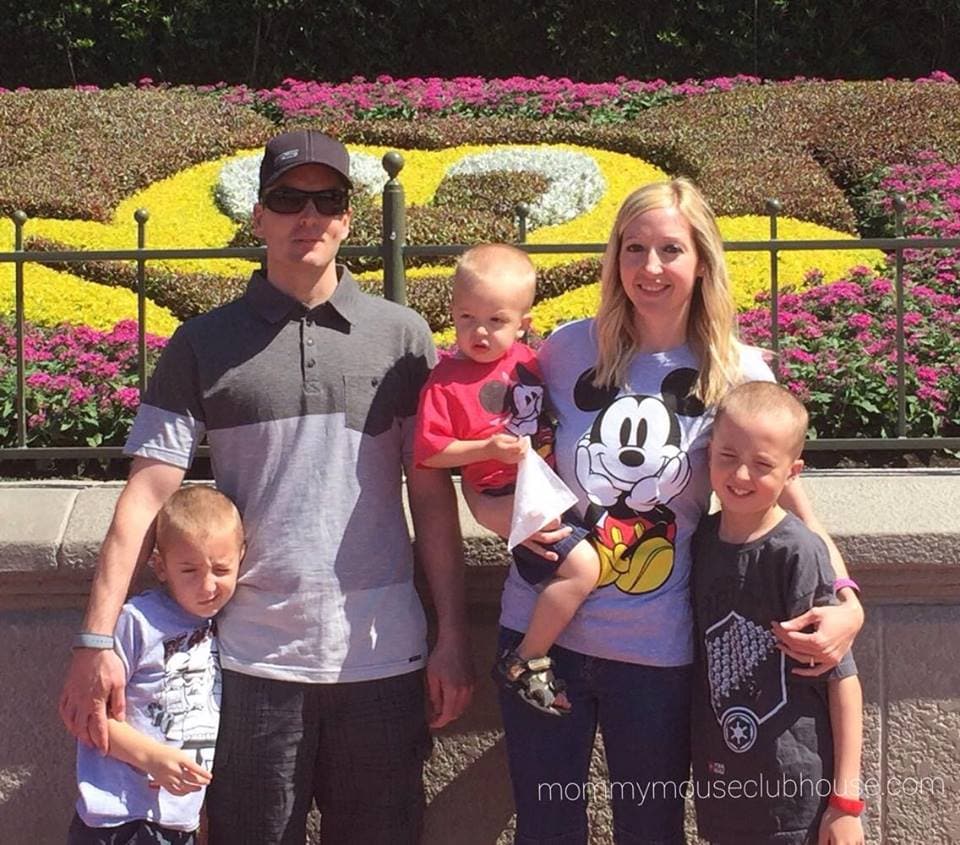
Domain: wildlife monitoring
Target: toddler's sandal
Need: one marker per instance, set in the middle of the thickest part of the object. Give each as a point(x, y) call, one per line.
point(533, 680)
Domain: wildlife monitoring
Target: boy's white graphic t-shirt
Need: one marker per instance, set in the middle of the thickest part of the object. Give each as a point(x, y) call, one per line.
point(173, 696)
point(637, 459)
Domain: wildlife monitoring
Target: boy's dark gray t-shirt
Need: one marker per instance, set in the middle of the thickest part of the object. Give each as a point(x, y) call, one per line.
point(762, 741)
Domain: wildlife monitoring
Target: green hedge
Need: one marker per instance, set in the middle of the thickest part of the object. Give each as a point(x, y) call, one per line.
point(76, 154)
point(47, 43)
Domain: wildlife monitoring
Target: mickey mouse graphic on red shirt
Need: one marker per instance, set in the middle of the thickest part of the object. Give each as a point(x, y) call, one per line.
point(632, 464)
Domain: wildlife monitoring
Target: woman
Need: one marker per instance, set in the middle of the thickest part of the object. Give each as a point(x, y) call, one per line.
point(633, 390)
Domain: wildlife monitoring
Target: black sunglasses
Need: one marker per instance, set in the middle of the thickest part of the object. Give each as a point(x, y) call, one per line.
point(291, 201)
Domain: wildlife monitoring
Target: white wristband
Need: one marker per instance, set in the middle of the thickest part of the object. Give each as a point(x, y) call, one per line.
point(102, 642)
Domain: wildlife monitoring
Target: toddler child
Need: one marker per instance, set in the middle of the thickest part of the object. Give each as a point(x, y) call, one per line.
point(151, 785)
point(776, 753)
point(476, 410)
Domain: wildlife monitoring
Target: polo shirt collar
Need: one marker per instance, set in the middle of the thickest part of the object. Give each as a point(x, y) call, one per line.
point(274, 305)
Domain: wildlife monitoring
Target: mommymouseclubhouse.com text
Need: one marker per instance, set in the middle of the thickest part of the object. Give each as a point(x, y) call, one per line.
point(758, 788)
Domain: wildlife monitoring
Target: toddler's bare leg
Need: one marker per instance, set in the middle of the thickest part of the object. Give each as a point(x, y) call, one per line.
point(574, 580)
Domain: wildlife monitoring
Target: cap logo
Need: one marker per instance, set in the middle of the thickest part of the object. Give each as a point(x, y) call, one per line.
point(287, 155)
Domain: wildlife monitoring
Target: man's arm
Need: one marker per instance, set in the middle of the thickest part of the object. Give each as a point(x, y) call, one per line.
point(173, 769)
point(436, 524)
point(95, 680)
point(836, 626)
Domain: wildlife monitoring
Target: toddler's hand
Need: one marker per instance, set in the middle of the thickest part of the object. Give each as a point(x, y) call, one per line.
point(507, 448)
point(177, 772)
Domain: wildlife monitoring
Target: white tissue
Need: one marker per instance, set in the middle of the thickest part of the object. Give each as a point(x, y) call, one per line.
point(540, 497)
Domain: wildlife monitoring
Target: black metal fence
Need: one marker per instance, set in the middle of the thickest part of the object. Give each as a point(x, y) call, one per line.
point(393, 250)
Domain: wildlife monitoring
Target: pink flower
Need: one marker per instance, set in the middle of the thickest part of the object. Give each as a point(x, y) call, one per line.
point(127, 397)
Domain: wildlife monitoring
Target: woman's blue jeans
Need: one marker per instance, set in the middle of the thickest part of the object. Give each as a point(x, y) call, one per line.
point(644, 714)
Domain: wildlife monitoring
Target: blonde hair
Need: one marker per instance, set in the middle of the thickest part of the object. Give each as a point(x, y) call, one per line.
point(197, 512)
point(711, 326)
point(498, 263)
point(756, 398)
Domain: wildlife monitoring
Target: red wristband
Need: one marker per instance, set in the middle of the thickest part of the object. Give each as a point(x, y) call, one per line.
point(850, 806)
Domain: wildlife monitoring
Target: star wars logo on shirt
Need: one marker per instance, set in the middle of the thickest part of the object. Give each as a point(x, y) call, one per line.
point(747, 679)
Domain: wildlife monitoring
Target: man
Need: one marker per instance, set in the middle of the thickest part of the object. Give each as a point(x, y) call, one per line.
point(306, 389)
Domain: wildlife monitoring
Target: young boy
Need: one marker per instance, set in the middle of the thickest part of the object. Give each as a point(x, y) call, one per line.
point(776, 756)
point(475, 412)
point(151, 786)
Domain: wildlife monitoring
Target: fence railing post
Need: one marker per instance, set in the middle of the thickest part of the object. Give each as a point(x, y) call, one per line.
point(141, 215)
point(899, 207)
point(19, 219)
point(394, 231)
point(774, 207)
point(522, 210)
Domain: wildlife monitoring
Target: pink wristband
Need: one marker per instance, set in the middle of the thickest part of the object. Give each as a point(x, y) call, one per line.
point(840, 583)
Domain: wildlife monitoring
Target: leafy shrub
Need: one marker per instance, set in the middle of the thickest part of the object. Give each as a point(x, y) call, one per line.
point(804, 143)
point(497, 192)
point(76, 154)
point(838, 341)
point(81, 384)
point(838, 354)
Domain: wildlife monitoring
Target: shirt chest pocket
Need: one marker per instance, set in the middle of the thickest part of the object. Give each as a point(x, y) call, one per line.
point(370, 403)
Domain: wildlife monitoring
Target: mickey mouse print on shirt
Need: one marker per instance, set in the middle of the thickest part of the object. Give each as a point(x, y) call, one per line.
point(469, 400)
point(521, 405)
point(631, 464)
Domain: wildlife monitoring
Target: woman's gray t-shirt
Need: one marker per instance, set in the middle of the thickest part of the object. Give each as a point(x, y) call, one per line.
point(636, 459)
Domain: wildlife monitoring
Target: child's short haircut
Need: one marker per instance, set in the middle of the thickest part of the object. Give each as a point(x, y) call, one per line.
point(765, 397)
point(495, 261)
point(197, 512)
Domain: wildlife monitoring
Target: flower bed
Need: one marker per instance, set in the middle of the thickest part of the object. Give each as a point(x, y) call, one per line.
point(838, 341)
point(827, 150)
point(81, 384)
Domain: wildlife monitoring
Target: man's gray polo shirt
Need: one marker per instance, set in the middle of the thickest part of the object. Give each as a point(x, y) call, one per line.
point(309, 416)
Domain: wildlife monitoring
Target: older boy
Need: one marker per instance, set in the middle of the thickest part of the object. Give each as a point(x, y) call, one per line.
point(776, 756)
point(306, 390)
point(152, 784)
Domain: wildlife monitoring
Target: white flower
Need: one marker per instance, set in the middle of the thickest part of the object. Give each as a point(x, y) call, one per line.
point(576, 183)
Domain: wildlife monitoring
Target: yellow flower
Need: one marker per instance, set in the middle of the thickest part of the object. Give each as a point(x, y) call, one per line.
point(750, 271)
point(51, 298)
point(182, 214)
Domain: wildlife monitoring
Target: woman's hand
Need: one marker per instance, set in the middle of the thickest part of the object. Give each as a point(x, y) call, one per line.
point(494, 513)
point(553, 532)
point(834, 629)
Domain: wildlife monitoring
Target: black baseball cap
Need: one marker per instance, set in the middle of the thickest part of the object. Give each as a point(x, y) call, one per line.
point(305, 146)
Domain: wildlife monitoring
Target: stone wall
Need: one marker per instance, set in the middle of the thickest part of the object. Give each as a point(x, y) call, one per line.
point(899, 531)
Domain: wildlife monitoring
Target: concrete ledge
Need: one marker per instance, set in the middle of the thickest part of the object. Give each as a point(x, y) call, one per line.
point(899, 531)
point(32, 529)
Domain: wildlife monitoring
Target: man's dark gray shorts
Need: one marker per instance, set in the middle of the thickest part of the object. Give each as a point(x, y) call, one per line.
point(356, 748)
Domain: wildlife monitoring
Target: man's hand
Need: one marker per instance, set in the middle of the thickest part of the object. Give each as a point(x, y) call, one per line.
point(93, 690)
point(176, 771)
point(835, 628)
point(94, 687)
point(507, 448)
point(450, 681)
